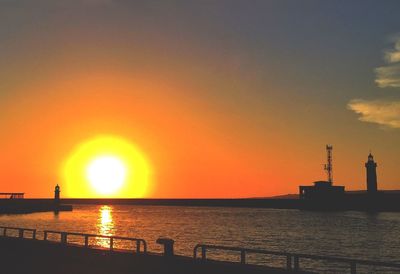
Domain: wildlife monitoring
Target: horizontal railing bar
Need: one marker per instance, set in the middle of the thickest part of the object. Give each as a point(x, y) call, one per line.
point(86, 236)
point(112, 238)
point(93, 235)
point(17, 228)
point(298, 255)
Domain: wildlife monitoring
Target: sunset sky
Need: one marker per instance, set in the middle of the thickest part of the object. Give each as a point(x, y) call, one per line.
point(215, 98)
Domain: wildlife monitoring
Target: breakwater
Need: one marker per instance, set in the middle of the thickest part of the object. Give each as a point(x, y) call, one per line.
point(21, 206)
point(384, 201)
point(359, 202)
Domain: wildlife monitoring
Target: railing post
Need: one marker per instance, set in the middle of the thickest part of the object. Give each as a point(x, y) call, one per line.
point(44, 235)
point(34, 234)
point(64, 238)
point(5, 232)
point(296, 263)
point(353, 268)
point(144, 247)
point(288, 262)
point(243, 256)
point(20, 232)
point(111, 244)
point(203, 253)
point(86, 241)
point(137, 246)
point(195, 252)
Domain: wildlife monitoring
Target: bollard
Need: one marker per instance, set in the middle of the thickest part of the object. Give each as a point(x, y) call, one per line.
point(168, 246)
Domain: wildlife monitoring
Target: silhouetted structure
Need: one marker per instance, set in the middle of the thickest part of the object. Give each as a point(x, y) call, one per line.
point(57, 194)
point(372, 184)
point(324, 196)
point(328, 165)
point(12, 195)
point(16, 204)
point(323, 193)
point(321, 190)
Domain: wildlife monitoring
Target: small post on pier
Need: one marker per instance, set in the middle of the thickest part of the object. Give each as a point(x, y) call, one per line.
point(137, 246)
point(353, 268)
point(111, 244)
point(243, 256)
point(296, 263)
point(64, 238)
point(289, 262)
point(203, 253)
point(21, 233)
point(86, 241)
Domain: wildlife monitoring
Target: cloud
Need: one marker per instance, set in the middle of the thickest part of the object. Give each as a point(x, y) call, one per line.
point(393, 56)
point(389, 75)
point(385, 113)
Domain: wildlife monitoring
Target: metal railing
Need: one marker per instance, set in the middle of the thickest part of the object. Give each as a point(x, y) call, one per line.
point(292, 259)
point(64, 239)
point(21, 231)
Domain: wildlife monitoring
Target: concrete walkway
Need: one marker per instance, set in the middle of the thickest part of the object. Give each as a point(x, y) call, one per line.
point(36, 256)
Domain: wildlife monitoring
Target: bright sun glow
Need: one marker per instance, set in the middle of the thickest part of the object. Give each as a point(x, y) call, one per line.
point(106, 167)
point(106, 174)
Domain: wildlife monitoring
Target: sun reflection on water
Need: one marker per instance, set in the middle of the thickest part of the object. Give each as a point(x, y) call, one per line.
point(105, 225)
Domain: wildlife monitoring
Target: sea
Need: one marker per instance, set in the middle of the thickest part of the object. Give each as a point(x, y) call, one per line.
point(350, 234)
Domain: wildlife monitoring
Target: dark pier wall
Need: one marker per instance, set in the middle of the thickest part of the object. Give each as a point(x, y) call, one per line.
point(16, 206)
point(256, 203)
point(360, 202)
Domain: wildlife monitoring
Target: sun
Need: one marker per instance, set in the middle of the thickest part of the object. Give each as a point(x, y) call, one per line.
point(106, 167)
point(106, 174)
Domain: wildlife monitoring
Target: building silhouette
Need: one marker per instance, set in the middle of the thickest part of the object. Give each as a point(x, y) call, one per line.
point(323, 193)
point(372, 182)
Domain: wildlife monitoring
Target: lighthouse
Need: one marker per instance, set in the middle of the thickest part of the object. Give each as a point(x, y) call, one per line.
point(57, 194)
point(372, 184)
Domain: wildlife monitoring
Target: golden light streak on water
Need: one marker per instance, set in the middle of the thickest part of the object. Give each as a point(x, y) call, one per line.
point(105, 225)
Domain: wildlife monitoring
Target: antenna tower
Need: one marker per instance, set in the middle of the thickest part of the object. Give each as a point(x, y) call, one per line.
point(328, 165)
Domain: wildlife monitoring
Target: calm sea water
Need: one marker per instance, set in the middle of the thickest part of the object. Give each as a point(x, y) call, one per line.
point(344, 234)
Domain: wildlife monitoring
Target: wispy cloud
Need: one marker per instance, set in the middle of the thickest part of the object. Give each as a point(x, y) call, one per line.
point(393, 56)
point(389, 75)
point(385, 113)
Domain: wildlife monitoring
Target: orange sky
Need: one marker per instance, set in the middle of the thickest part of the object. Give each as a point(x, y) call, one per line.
point(193, 150)
point(222, 102)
